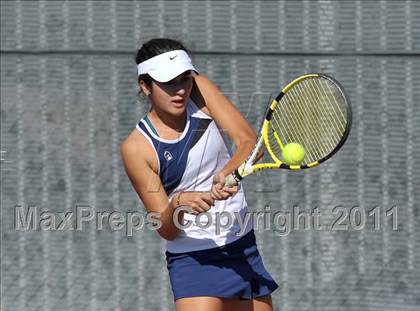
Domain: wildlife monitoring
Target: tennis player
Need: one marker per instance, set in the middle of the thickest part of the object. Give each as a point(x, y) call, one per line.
point(177, 158)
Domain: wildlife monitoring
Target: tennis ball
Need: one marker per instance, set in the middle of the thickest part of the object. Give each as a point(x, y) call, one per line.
point(293, 154)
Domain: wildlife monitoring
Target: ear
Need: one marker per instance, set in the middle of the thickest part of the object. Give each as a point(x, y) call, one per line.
point(146, 90)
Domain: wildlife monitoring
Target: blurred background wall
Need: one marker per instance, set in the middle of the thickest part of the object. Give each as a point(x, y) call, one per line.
point(68, 99)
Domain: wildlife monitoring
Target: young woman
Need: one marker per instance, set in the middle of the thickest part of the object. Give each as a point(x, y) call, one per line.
point(178, 156)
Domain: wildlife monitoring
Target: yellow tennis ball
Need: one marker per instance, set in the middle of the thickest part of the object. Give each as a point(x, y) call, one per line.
point(293, 154)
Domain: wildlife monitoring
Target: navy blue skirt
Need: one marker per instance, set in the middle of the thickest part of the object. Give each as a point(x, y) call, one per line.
point(232, 270)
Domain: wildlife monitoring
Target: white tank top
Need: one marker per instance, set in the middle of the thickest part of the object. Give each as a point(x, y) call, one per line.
point(189, 164)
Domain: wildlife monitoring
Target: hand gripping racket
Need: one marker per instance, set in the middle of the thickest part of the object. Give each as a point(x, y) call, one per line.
point(312, 111)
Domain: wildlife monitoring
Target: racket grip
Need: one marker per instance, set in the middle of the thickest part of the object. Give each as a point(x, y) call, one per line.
point(230, 180)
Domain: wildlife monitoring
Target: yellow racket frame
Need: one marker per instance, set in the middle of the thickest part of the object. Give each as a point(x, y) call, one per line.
point(245, 169)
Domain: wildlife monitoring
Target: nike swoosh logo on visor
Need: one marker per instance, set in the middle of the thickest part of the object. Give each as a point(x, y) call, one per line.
point(171, 58)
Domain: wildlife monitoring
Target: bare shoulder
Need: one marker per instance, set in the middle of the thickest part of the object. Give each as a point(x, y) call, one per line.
point(200, 92)
point(133, 142)
point(226, 115)
point(210, 97)
point(201, 79)
point(135, 147)
point(141, 165)
point(205, 85)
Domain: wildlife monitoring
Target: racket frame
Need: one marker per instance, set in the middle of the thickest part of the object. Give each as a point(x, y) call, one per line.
point(248, 167)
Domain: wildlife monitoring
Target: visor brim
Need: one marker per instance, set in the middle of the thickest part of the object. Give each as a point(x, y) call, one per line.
point(167, 75)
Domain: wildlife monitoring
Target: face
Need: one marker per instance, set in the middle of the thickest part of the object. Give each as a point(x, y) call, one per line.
point(171, 96)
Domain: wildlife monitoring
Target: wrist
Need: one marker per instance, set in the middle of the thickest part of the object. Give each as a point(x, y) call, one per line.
point(178, 199)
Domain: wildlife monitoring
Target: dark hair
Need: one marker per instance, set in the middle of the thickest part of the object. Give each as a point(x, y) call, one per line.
point(155, 47)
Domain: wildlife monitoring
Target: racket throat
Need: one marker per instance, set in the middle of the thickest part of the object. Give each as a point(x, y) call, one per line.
point(237, 176)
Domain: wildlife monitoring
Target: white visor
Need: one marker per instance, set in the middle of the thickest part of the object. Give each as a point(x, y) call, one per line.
point(166, 66)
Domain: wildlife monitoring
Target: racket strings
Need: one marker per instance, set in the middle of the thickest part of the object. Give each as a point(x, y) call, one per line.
point(293, 117)
point(313, 134)
point(295, 135)
point(328, 128)
point(312, 113)
point(321, 115)
point(331, 104)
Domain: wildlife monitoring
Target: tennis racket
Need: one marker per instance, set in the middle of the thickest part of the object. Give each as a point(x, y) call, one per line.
point(312, 112)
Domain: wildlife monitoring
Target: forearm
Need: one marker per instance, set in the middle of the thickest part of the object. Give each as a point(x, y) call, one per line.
point(169, 230)
point(241, 153)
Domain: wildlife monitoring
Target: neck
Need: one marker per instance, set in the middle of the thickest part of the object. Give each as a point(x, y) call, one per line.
point(166, 120)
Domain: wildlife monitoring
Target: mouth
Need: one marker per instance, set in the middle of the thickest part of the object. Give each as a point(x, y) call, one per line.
point(178, 102)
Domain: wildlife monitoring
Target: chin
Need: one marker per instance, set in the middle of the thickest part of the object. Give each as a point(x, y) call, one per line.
point(177, 111)
point(180, 111)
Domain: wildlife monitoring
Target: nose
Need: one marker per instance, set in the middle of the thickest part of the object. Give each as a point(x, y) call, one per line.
point(181, 91)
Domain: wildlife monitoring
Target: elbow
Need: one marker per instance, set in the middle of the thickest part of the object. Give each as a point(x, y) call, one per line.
point(169, 229)
point(168, 235)
point(249, 135)
point(247, 138)
point(252, 137)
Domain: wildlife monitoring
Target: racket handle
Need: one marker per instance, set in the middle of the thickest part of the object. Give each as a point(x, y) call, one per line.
point(230, 181)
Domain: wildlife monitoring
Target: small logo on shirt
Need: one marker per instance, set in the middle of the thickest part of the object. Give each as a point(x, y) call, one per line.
point(168, 156)
point(171, 58)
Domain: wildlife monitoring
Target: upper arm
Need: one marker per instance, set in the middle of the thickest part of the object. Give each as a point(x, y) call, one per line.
point(140, 164)
point(224, 113)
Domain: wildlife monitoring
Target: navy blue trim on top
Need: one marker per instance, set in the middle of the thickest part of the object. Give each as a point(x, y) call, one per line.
point(149, 123)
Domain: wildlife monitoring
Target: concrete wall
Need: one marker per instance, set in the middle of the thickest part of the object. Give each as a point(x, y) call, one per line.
point(68, 98)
